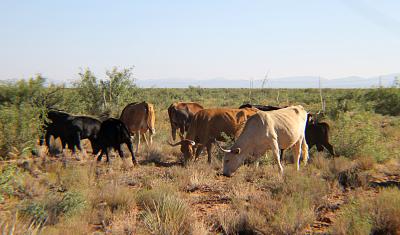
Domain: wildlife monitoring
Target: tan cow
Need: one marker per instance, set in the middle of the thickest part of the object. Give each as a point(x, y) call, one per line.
point(208, 125)
point(139, 118)
point(180, 114)
point(275, 130)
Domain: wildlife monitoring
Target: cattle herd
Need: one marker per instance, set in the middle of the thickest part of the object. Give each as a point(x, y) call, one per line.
point(253, 128)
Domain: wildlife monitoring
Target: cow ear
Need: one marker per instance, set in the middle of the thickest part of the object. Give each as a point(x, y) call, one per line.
point(236, 151)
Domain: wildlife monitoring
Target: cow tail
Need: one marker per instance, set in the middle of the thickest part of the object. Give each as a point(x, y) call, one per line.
point(304, 150)
point(150, 117)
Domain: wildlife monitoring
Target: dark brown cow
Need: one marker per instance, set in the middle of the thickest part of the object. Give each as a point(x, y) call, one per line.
point(180, 115)
point(208, 125)
point(139, 118)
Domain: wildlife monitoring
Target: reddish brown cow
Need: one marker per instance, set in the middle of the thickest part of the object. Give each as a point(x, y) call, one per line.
point(139, 118)
point(208, 125)
point(180, 114)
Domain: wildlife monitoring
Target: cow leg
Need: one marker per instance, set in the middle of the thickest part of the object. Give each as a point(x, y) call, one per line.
point(329, 147)
point(276, 153)
point(320, 148)
point(296, 153)
point(209, 151)
point(282, 156)
point(100, 156)
point(145, 139)
point(130, 147)
point(121, 154)
point(138, 142)
point(108, 154)
point(199, 150)
point(151, 138)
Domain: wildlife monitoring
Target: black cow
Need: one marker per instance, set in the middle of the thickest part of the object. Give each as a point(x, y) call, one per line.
point(71, 129)
point(260, 107)
point(317, 133)
point(112, 134)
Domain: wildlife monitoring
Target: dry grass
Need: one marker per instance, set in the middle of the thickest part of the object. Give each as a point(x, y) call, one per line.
point(164, 212)
point(378, 215)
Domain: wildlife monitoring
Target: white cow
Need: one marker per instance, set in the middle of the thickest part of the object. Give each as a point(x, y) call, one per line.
point(275, 130)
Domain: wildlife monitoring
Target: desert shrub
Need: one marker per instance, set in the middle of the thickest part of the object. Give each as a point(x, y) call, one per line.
point(385, 101)
point(110, 94)
point(165, 212)
point(22, 103)
point(51, 208)
point(9, 181)
point(115, 197)
point(295, 213)
point(71, 203)
point(354, 134)
point(36, 212)
point(378, 215)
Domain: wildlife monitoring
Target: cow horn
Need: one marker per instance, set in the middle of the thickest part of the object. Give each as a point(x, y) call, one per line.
point(176, 144)
point(222, 149)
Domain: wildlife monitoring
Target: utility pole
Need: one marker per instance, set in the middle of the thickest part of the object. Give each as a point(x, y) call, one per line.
point(320, 95)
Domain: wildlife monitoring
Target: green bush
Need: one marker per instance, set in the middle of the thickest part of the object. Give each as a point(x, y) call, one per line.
point(385, 101)
point(51, 208)
point(9, 181)
point(355, 134)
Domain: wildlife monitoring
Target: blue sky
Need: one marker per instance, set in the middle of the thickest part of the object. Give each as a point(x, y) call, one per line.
point(200, 39)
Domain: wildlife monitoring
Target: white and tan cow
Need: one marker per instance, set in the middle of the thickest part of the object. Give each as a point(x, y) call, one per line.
point(274, 130)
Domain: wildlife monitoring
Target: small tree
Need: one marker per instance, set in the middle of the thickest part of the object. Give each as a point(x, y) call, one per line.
point(108, 94)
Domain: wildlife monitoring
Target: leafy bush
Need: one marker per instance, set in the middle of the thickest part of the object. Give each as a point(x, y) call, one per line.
point(8, 181)
point(110, 94)
point(354, 134)
point(385, 101)
point(48, 210)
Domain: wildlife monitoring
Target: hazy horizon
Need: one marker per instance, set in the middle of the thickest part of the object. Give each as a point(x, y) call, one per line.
point(200, 40)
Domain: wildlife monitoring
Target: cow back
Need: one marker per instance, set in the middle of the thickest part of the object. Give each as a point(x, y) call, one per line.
point(136, 117)
point(209, 124)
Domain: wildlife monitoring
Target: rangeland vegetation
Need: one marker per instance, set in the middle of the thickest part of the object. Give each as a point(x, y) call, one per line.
point(51, 192)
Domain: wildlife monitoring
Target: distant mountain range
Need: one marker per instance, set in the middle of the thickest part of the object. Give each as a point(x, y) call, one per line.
point(286, 82)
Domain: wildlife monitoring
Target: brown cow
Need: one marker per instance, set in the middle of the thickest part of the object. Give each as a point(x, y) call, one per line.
point(139, 118)
point(207, 125)
point(180, 114)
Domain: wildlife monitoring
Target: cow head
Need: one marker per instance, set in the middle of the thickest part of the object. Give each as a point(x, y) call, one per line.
point(233, 159)
point(187, 148)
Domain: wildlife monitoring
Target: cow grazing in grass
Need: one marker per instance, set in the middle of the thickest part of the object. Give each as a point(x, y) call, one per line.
point(180, 114)
point(71, 129)
point(113, 133)
point(209, 124)
point(139, 118)
point(275, 130)
point(317, 133)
